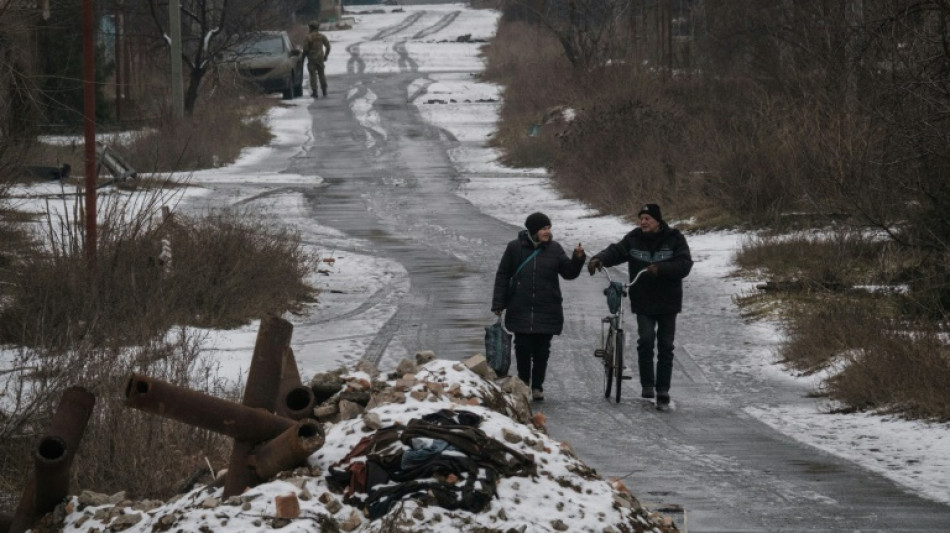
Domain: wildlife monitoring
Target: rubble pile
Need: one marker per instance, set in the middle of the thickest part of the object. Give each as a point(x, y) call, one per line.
point(434, 446)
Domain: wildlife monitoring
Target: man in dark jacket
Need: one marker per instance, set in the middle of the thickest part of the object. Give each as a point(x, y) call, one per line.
point(317, 49)
point(657, 297)
point(527, 286)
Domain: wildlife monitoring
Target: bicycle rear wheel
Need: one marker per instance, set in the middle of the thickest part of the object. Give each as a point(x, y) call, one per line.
point(618, 362)
point(608, 361)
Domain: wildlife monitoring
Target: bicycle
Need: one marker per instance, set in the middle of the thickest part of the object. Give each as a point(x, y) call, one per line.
point(612, 335)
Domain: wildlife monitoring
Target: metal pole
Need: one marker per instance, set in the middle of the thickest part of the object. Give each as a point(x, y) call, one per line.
point(89, 121)
point(119, 67)
point(174, 33)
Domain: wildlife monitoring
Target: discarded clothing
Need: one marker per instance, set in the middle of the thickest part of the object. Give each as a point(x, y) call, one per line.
point(439, 459)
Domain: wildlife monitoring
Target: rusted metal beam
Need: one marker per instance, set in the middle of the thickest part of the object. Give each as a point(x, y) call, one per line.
point(53, 457)
point(202, 410)
point(288, 450)
point(260, 391)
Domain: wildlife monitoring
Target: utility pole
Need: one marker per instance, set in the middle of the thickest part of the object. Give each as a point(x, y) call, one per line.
point(174, 33)
point(120, 73)
point(89, 126)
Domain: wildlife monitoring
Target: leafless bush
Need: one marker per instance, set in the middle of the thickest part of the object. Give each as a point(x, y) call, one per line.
point(896, 372)
point(233, 265)
point(214, 136)
point(533, 87)
point(91, 324)
point(825, 259)
point(821, 329)
point(122, 449)
point(228, 268)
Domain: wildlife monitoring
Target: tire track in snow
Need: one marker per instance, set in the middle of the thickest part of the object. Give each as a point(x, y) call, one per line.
point(403, 25)
point(440, 25)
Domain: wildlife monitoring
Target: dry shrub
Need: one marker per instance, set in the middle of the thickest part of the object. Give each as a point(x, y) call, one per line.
point(903, 373)
point(620, 150)
point(121, 449)
point(529, 63)
point(227, 268)
point(91, 326)
point(213, 137)
point(820, 329)
point(143, 453)
point(231, 265)
point(835, 259)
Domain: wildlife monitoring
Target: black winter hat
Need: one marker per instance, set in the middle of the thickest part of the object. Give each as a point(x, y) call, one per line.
point(653, 210)
point(535, 222)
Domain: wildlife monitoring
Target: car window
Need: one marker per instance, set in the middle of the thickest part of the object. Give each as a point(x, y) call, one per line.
point(265, 45)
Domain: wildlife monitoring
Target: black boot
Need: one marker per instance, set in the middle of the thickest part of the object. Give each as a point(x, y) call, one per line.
point(663, 400)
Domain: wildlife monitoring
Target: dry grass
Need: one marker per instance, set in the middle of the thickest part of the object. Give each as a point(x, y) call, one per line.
point(896, 372)
point(528, 63)
point(122, 449)
point(209, 139)
point(227, 267)
point(822, 259)
point(85, 325)
point(861, 338)
point(79, 324)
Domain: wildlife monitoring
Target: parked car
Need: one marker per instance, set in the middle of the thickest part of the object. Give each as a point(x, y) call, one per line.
point(270, 61)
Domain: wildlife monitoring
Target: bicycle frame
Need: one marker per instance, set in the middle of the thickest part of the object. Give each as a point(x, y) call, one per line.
point(612, 339)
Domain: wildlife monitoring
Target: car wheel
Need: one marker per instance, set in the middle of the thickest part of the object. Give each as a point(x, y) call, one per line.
point(288, 92)
point(298, 86)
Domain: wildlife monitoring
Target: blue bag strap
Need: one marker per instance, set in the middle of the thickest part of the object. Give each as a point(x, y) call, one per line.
point(523, 263)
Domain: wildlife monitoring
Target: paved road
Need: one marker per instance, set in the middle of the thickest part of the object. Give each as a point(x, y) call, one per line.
point(390, 181)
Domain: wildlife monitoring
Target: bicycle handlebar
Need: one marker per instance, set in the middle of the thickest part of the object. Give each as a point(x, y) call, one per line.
point(627, 285)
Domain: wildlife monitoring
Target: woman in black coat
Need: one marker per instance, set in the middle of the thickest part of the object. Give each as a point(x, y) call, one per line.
point(527, 287)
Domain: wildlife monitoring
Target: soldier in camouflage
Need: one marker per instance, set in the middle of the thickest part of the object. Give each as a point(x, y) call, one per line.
point(317, 49)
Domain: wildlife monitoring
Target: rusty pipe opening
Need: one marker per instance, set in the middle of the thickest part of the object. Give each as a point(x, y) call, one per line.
point(308, 430)
point(135, 386)
point(299, 398)
point(51, 449)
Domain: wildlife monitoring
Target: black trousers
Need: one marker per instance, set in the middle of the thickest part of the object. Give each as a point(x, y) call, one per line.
point(659, 330)
point(531, 353)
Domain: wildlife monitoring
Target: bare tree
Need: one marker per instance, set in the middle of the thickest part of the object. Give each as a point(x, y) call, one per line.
point(213, 28)
point(588, 30)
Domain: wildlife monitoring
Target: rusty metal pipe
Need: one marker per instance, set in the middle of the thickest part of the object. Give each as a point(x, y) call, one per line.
point(53, 456)
point(298, 403)
point(295, 400)
point(267, 363)
point(288, 450)
point(202, 410)
point(51, 462)
point(261, 390)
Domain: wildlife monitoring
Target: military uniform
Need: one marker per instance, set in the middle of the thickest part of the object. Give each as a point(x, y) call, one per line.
point(317, 49)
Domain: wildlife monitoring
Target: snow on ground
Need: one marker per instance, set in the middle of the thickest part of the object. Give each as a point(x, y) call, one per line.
point(914, 454)
point(564, 495)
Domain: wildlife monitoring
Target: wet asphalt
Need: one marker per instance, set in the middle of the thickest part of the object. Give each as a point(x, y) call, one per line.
point(400, 191)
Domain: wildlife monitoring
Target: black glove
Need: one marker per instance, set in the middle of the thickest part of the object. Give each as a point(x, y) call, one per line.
point(594, 265)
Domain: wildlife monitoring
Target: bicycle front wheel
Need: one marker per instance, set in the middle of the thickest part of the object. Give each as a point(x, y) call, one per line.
point(618, 362)
point(608, 361)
